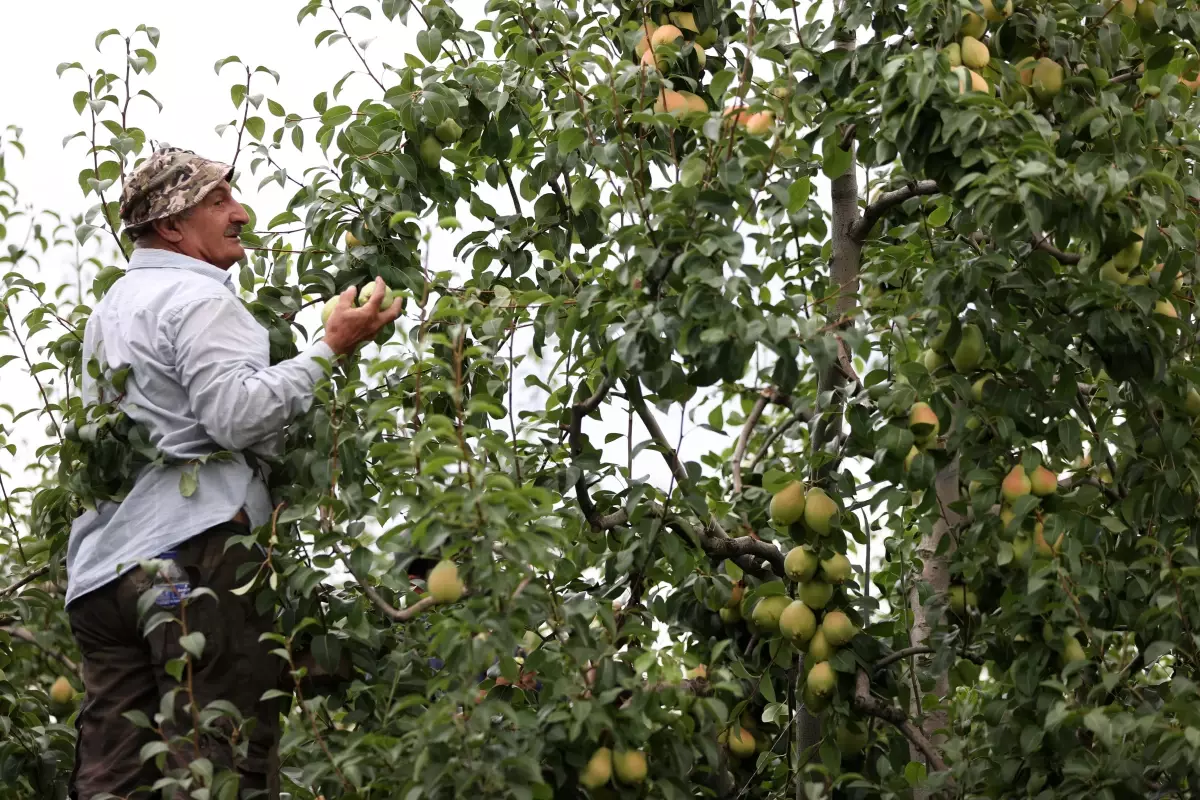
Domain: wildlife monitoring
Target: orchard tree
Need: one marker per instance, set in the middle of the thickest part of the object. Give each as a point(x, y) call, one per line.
point(925, 271)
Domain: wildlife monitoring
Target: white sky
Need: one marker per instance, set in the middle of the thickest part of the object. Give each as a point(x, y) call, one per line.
point(196, 100)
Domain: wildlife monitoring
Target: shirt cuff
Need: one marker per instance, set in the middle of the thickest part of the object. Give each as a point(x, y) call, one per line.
point(309, 357)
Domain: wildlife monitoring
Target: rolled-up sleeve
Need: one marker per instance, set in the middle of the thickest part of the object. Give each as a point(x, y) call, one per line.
point(222, 361)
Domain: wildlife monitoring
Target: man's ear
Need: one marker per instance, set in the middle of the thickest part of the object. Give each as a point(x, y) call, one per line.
point(168, 229)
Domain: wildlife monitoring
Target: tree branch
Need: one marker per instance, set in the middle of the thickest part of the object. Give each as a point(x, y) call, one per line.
point(865, 703)
point(30, 578)
point(396, 614)
point(747, 429)
point(803, 415)
point(1043, 243)
point(599, 522)
point(27, 636)
point(885, 203)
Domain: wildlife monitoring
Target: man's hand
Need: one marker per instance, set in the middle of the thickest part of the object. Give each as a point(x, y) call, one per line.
point(348, 327)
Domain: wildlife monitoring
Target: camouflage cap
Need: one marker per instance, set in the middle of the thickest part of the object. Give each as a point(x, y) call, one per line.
point(170, 181)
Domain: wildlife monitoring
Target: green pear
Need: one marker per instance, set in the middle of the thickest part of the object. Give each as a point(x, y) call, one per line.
point(787, 505)
point(448, 131)
point(431, 151)
point(852, 737)
point(1131, 254)
point(1109, 272)
point(993, 14)
point(1193, 403)
point(970, 351)
point(1072, 650)
point(838, 628)
point(977, 388)
point(730, 615)
point(327, 310)
point(836, 569)
point(975, 53)
point(740, 742)
point(923, 422)
point(819, 648)
point(798, 623)
point(820, 511)
point(630, 766)
point(444, 584)
point(598, 769)
point(389, 296)
point(972, 24)
point(767, 611)
point(1047, 78)
point(954, 54)
point(816, 594)
point(933, 360)
point(913, 452)
point(800, 564)
point(821, 679)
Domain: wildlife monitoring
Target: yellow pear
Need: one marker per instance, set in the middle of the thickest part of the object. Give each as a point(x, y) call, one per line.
point(993, 14)
point(1043, 546)
point(767, 612)
point(972, 24)
point(821, 679)
point(1047, 78)
point(797, 623)
point(630, 766)
point(800, 564)
point(816, 594)
point(1109, 272)
point(1016, 484)
point(923, 422)
point(1043, 482)
point(954, 54)
point(701, 56)
point(1131, 254)
point(685, 20)
point(970, 351)
point(759, 124)
point(787, 505)
point(327, 310)
point(975, 53)
point(649, 59)
point(389, 296)
point(978, 83)
point(1127, 7)
point(813, 702)
point(741, 742)
point(913, 452)
point(819, 648)
point(667, 34)
point(645, 32)
point(1164, 308)
point(1007, 516)
point(61, 691)
point(443, 582)
point(977, 388)
point(598, 769)
point(836, 569)
point(730, 615)
point(695, 103)
point(352, 240)
point(1072, 650)
point(932, 359)
point(820, 511)
point(838, 628)
point(1024, 69)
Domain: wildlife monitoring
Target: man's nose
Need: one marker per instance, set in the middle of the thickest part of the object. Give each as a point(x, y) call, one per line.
point(239, 215)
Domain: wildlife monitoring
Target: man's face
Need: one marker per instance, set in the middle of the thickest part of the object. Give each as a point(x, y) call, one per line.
point(212, 231)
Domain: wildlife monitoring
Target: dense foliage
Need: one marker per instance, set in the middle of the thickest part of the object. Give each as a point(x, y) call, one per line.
point(936, 267)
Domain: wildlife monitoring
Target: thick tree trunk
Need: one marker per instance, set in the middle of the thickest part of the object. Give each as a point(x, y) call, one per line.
point(936, 572)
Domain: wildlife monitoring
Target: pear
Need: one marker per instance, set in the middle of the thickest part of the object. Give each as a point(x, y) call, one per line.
point(838, 628)
point(1128, 7)
point(352, 240)
point(969, 353)
point(800, 564)
point(630, 766)
point(1016, 484)
point(686, 20)
point(767, 611)
point(819, 648)
point(852, 737)
point(1145, 14)
point(797, 623)
point(816, 594)
point(975, 53)
point(1131, 254)
point(1164, 308)
point(932, 359)
point(741, 742)
point(1047, 78)
point(646, 30)
point(649, 59)
point(821, 679)
point(1043, 482)
point(598, 769)
point(1109, 272)
point(730, 615)
point(1024, 69)
point(1043, 546)
point(813, 702)
point(736, 594)
point(701, 55)
point(977, 388)
point(836, 569)
point(1007, 516)
point(953, 53)
point(759, 124)
point(389, 296)
point(327, 310)
point(448, 131)
point(972, 25)
point(444, 585)
point(978, 83)
point(695, 103)
point(1072, 650)
point(993, 14)
point(787, 505)
point(670, 102)
point(1193, 403)
point(667, 34)
point(923, 422)
point(913, 452)
point(61, 691)
point(431, 151)
point(820, 511)
point(1020, 546)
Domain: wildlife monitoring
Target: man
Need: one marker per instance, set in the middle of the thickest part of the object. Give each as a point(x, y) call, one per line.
point(201, 383)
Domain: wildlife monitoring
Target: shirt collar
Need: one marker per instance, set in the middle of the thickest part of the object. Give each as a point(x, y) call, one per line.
point(154, 258)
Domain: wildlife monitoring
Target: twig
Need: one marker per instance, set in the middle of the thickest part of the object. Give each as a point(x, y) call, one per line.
point(30, 578)
point(27, 636)
point(237, 151)
point(886, 202)
point(598, 521)
point(397, 614)
point(96, 166)
point(1043, 243)
point(1091, 423)
point(803, 415)
point(354, 47)
point(864, 702)
point(744, 439)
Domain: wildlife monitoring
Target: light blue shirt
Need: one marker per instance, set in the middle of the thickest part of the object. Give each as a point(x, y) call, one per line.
point(200, 381)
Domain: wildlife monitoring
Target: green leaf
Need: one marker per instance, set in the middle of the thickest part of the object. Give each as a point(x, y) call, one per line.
point(193, 644)
point(570, 139)
point(834, 160)
point(100, 37)
point(187, 482)
point(256, 127)
point(429, 43)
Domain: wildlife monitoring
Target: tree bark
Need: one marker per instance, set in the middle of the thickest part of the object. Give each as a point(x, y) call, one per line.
point(935, 571)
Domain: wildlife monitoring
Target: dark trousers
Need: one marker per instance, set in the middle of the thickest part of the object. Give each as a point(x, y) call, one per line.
point(125, 670)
